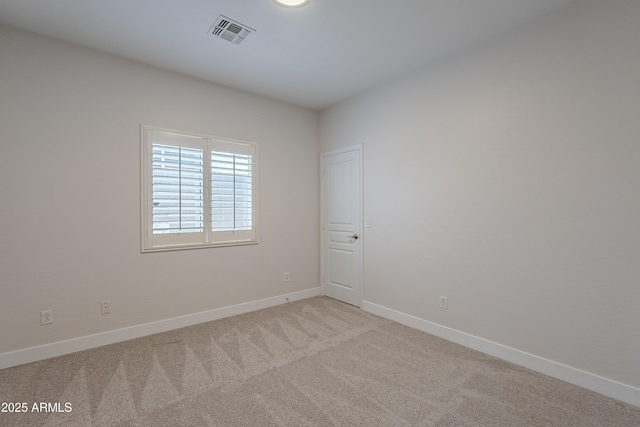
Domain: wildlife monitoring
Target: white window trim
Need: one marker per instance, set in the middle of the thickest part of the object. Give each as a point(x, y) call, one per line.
point(151, 242)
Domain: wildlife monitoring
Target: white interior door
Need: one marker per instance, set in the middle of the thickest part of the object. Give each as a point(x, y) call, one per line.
point(341, 243)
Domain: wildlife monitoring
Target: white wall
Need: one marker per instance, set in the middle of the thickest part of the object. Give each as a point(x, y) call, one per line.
point(70, 194)
point(507, 178)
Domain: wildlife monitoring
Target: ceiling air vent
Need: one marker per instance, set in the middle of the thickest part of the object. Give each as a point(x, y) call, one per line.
point(230, 30)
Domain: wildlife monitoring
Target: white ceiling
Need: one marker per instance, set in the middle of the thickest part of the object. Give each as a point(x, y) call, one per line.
point(315, 56)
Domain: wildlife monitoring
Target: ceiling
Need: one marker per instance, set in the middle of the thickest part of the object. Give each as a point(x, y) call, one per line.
point(314, 56)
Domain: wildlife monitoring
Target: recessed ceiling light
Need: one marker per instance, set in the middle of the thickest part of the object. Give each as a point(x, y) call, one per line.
point(292, 3)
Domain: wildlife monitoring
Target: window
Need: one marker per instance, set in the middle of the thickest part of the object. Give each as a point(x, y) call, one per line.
point(197, 191)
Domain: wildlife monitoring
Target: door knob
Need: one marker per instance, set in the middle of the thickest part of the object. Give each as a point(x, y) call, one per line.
point(355, 237)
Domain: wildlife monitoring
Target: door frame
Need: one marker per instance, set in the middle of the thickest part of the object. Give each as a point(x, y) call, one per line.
point(323, 244)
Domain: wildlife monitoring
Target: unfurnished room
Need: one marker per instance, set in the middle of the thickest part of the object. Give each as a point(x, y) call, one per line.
point(320, 212)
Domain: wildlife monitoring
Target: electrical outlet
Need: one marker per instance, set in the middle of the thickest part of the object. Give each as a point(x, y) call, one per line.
point(105, 307)
point(444, 303)
point(287, 276)
point(46, 317)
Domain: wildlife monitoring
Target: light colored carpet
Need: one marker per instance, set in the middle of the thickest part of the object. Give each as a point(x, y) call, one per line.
point(315, 362)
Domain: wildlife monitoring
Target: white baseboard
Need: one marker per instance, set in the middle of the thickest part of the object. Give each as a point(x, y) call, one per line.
point(605, 386)
point(60, 348)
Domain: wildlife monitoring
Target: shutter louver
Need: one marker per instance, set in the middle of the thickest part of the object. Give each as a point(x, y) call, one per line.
point(231, 192)
point(177, 189)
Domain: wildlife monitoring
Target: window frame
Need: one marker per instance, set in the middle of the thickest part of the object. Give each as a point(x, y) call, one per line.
point(207, 238)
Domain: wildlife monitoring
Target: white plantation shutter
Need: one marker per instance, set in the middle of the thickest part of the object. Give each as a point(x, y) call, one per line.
point(177, 189)
point(232, 190)
point(197, 191)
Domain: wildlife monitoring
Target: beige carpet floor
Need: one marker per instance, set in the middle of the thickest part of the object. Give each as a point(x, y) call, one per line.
point(316, 362)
